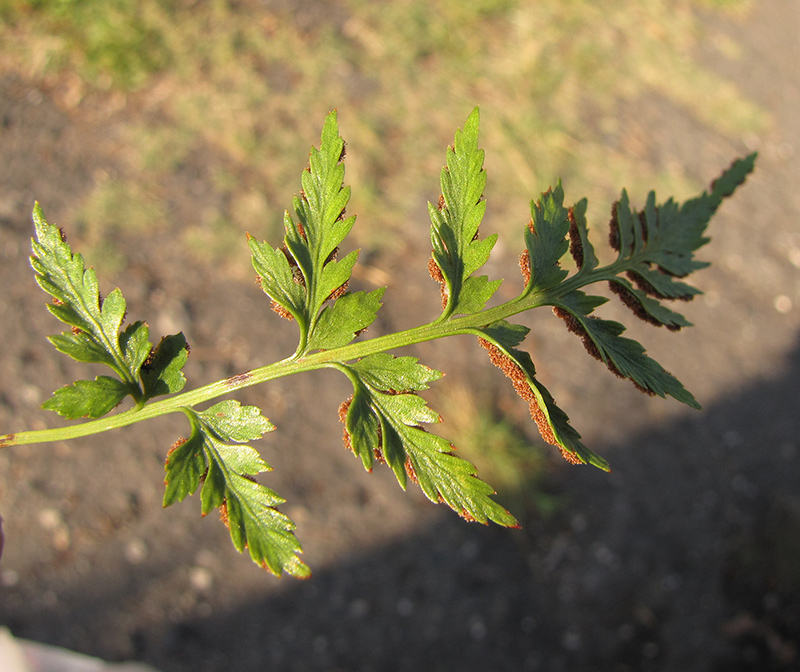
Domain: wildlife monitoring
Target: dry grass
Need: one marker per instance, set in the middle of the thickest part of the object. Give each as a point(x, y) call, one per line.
point(243, 87)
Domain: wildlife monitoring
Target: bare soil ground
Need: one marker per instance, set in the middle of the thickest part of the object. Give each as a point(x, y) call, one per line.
point(685, 558)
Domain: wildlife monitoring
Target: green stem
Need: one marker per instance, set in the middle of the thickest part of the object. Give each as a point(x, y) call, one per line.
point(427, 332)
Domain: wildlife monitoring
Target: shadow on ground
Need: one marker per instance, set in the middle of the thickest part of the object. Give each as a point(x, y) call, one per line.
point(635, 576)
point(684, 558)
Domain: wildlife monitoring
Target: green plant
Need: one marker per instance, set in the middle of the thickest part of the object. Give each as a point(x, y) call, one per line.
point(307, 282)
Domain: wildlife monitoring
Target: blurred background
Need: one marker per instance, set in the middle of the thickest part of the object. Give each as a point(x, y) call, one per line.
point(157, 133)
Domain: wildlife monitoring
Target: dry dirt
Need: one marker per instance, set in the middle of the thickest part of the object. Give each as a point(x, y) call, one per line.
point(685, 558)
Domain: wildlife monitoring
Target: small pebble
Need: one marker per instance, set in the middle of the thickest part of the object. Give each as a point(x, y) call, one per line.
point(782, 303)
point(135, 551)
point(200, 578)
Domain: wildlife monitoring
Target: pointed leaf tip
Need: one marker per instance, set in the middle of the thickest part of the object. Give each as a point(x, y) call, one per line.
point(215, 457)
point(458, 250)
point(384, 420)
point(305, 273)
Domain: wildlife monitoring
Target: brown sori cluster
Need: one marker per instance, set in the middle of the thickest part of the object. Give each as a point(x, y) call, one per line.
point(280, 310)
point(436, 273)
point(409, 465)
point(576, 327)
point(575, 242)
point(300, 228)
point(466, 515)
point(539, 202)
point(339, 291)
point(613, 228)
point(343, 408)
point(148, 362)
point(412, 473)
point(297, 274)
point(636, 307)
point(525, 266)
point(525, 257)
point(223, 514)
point(333, 255)
point(175, 446)
point(520, 382)
point(648, 289)
point(433, 268)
